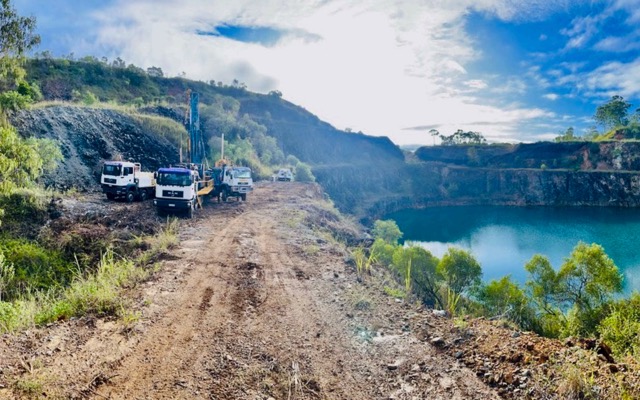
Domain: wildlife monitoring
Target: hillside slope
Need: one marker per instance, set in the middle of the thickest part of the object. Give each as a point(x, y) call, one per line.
point(87, 137)
point(337, 158)
point(298, 131)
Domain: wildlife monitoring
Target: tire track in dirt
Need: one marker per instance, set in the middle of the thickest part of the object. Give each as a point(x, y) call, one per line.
point(161, 363)
point(257, 317)
point(256, 303)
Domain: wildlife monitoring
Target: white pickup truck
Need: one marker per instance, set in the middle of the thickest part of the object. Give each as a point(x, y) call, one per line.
point(126, 180)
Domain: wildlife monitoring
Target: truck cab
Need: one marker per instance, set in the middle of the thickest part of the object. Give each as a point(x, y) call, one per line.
point(231, 181)
point(176, 190)
point(126, 180)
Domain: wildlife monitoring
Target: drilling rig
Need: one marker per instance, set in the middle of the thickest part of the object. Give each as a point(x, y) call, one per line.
point(183, 187)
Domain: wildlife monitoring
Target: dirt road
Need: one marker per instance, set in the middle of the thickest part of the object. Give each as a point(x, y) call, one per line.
point(258, 302)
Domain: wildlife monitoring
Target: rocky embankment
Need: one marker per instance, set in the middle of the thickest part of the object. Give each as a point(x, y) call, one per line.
point(87, 137)
point(435, 184)
point(601, 174)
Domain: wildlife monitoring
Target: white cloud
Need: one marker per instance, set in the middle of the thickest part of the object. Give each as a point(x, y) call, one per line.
point(551, 96)
point(613, 78)
point(616, 44)
point(375, 66)
point(476, 84)
point(583, 29)
point(631, 6)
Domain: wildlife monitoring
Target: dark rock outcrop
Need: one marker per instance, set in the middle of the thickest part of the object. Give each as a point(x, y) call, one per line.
point(87, 137)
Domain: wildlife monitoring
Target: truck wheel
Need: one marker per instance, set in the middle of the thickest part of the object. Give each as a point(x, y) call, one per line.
point(225, 195)
point(130, 196)
point(243, 196)
point(111, 196)
point(190, 212)
point(143, 195)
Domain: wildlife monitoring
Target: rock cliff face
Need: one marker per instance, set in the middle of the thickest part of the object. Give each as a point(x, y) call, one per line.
point(87, 137)
point(438, 184)
point(601, 156)
point(543, 174)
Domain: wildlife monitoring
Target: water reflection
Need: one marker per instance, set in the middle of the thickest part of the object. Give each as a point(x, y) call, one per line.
point(503, 239)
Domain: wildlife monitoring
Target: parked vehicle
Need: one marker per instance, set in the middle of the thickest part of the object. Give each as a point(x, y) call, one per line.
point(124, 179)
point(176, 190)
point(284, 174)
point(230, 181)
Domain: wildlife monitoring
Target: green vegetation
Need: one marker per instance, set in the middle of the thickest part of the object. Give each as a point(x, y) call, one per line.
point(460, 270)
point(461, 137)
point(613, 116)
point(303, 173)
point(613, 113)
point(73, 292)
point(167, 128)
point(22, 161)
point(578, 299)
point(17, 38)
point(388, 231)
point(93, 82)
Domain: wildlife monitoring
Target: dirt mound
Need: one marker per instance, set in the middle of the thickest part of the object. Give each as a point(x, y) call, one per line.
point(89, 136)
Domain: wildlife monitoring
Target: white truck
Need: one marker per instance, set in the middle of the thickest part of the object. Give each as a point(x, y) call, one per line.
point(177, 190)
point(126, 180)
point(232, 182)
point(284, 174)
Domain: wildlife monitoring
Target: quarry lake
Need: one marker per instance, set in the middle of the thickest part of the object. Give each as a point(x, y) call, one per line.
point(503, 239)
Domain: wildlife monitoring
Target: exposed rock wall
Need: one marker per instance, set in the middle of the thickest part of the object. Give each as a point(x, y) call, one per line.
point(586, 156)
point(428, 184)
point(88, 137)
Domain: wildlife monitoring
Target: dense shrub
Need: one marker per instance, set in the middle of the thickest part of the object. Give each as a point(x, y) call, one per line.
point(304, 174)
point(621, 328)
point(35, 267)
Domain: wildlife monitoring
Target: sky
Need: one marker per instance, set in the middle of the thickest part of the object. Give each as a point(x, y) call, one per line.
point(513, 70)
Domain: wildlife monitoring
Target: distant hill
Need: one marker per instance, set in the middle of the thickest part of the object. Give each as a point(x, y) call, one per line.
point(364, 175)
point(354, 168)
point(297, 131)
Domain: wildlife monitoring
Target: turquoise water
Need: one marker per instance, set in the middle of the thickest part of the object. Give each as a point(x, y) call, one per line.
point(503, 239)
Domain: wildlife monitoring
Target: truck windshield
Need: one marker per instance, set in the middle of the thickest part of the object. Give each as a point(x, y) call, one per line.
point(171, 179)
point(111, 170)
point(243, 173)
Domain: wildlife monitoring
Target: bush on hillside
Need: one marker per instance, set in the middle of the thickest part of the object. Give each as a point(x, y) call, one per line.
point(304, 174)
point(35, 267)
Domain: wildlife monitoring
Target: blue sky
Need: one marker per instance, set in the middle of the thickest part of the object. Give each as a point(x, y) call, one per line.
point(513, 70)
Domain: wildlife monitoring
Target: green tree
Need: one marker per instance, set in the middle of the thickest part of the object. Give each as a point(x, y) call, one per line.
point(387, 230)
point(588, 278)
point(434, 133)
point(460, 269)
point(155, 72)
point(542, 284)
point(16, 38)
point(304, 174)
point(506, 299)
point(461, 137)
point(423, 275)
point(567, 136)
point(23, 161)
point(613, 113)
point(575, 298)
point(292, 161)
point(383, 251)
